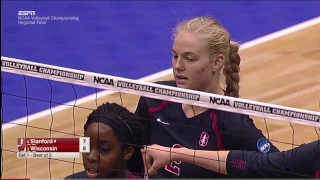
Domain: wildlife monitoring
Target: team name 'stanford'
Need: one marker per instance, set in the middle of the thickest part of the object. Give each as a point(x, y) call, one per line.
point(160, 91)
point(41, 141)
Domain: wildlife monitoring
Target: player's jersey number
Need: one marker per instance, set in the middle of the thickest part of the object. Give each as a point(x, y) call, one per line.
point(172, 167)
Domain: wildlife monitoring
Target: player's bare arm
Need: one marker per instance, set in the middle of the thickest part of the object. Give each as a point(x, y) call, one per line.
point(297, 162)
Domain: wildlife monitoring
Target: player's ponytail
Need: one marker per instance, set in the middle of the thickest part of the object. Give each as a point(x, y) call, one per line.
point(231, 70)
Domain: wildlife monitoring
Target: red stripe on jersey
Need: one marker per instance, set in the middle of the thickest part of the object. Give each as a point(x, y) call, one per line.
point(317, 174)
point(158, 108)
point(132, 176)
point(216, 130)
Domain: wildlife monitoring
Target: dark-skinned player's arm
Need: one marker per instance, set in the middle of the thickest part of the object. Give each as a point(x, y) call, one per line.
point(302, 161)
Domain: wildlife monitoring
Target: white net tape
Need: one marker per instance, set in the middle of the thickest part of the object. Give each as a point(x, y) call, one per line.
point(157, 91)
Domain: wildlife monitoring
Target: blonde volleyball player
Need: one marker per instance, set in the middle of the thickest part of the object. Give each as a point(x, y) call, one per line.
point(201, 53)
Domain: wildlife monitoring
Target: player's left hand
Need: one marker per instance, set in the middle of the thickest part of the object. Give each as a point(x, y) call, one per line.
point(155, 157)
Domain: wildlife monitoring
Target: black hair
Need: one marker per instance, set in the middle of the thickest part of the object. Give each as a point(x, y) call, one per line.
point(124, 119)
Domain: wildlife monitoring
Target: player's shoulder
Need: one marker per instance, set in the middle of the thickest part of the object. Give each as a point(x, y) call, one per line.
point(78, 175)
point(231, 118)
point(234, 116)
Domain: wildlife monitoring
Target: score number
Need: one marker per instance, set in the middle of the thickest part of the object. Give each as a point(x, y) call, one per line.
point(84, 143)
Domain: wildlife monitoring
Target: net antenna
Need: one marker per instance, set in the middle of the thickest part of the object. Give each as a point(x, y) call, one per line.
point(158, 91)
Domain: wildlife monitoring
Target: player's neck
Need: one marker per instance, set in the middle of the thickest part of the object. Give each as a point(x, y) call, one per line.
point(191, 111)
point(125, 174)
point(214, 88)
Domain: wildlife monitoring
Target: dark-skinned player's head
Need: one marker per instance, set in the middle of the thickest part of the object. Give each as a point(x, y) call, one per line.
point(116, 137)
point(204, 57)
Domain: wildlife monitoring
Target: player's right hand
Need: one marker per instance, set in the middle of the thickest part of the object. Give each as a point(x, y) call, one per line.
point(155, 157)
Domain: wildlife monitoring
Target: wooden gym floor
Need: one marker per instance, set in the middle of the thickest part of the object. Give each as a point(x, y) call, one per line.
point(284, 70)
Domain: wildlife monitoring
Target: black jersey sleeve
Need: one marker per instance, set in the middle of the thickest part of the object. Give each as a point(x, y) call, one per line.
point(142, 112)
point(242, 134)
point(300, 162)
point(142, 108)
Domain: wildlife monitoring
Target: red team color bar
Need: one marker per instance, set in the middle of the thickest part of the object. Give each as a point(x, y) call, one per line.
point(14, 179)
point(49, 148)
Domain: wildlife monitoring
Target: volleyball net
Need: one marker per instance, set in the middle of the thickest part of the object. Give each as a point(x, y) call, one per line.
point(67, 120)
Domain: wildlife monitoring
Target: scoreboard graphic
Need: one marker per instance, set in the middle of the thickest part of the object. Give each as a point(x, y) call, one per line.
point(52, 147)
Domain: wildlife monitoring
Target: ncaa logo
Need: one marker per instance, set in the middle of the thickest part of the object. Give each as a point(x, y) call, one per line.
point(204, 138)
point(263, 145)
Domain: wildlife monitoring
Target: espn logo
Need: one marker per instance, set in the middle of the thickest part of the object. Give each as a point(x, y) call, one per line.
point(25, 13)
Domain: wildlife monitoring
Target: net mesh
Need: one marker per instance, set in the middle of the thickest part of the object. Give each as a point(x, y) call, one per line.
point(67, 120)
